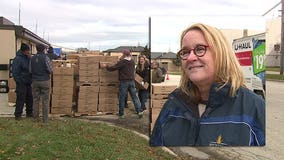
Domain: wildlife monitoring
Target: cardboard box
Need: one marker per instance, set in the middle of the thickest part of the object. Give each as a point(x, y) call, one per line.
point(63, 71)
point(60, 84)
point(89, 66)
point(158, 103)
point(63, 78)
point(62, 91)
point(155, 114)
point(108, 79)
point(111, 59)
point(61, 103)
point(85, 58)
point(61, 110)
point(11, 83)
point(86, 84)
point(64, 63)
point(109, 108)
point(159, 96)
point(72, 56)
point(94, 78)
point(87, 106)
point(138, 82)
point(113, 101)
point(108, 95)
point(105, 72)
point(89, 89)
point(12, 96)
point(88, 73)
point(63, 97)
point(161, 88)
point(110, 88)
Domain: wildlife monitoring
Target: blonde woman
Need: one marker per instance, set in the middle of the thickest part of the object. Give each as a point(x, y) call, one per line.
point(212, 106)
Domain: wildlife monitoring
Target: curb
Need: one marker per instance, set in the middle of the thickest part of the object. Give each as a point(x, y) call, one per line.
point(275, 80)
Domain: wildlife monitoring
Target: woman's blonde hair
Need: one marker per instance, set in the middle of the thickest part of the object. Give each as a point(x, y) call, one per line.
point(227, 68)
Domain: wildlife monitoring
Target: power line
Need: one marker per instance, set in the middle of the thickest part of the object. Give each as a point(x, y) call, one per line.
point(271, 9)
point(282, 38)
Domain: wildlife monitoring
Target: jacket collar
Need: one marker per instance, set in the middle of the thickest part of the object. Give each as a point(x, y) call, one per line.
point(217, 97)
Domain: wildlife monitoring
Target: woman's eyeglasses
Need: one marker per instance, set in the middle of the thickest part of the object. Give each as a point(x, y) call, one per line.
point(199, 51)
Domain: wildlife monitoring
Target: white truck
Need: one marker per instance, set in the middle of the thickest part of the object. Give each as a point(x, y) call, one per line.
point(250, 51)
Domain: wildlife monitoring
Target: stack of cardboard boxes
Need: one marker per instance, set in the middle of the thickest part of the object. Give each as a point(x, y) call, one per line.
point(62, 90)
point(159, 95)
point(109, 84)
point(88, 84)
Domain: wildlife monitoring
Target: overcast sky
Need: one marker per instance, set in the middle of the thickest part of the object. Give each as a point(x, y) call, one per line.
point(105, 24)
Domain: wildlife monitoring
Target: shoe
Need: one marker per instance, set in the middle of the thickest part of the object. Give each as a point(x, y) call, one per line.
point(140, 114)
point(121, 116)
point(18, 118)
point(29, 115)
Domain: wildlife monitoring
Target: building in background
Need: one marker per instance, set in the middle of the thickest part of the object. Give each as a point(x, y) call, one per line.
point(165, 60)
point(11, 37)
point(135, 51)
point(273, 42)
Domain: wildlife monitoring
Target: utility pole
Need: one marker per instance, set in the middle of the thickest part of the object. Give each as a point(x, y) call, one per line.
point(19, 13)
point(282, 38)
point(149, 36)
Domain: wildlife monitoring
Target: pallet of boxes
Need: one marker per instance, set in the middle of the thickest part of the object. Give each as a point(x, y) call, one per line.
point(62, 88)
point(109, 87)
point(159, 95)
point(88, 84)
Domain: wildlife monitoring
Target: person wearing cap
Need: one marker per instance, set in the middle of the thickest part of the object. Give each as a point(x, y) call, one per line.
point(41, 69)
point(23, 79)
point(51, 55)
point(126, 70)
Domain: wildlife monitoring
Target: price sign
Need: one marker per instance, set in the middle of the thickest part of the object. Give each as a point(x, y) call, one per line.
point(258, 56)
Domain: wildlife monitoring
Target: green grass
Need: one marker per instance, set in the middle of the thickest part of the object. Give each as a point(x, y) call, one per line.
point(275, 69)
point(71, 138)
point(274, 76)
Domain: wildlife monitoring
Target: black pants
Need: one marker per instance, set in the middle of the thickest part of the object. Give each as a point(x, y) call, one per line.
point(24, 96)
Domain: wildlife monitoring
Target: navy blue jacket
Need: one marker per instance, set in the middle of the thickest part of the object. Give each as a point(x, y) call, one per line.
point(40, 67)
point(227, 121)
point(20, 69)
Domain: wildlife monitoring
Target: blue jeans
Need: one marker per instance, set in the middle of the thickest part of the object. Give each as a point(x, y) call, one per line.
point(124, 88)
point(143, 96)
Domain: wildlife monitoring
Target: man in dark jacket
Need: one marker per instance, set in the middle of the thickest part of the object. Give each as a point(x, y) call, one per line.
point(126, 69)
point(41, 69)
point(23, 78)
point(157, 73)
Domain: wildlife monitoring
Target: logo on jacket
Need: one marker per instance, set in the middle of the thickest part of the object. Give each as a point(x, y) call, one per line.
point(219, 142)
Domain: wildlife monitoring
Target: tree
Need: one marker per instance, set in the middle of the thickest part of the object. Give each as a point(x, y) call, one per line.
point(146, 51)
point(82, 49)
point(177, 61)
